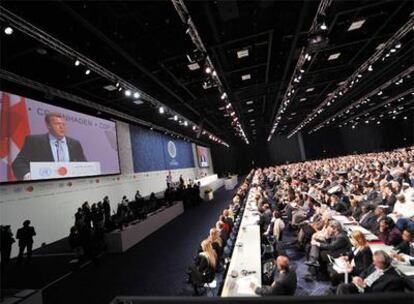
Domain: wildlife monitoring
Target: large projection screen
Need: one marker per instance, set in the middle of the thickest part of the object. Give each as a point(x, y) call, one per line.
point(203, 157)
point(39, 141)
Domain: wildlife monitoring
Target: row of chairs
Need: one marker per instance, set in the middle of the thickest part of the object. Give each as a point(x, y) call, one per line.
point(215, 287)
point(213, 283)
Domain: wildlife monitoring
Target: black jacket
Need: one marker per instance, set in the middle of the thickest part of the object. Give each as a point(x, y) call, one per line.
point(362, 260)
point(389, 281)
point(284, 284)
point(403, 247)
point(369, 222)
point(337, 245)
point(25, 235)
point(36, 148)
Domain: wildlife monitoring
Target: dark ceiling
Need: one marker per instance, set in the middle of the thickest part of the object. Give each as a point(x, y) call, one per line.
point(145, 43)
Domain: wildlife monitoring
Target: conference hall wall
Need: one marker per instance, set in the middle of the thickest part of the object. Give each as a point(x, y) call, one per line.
point(51, 205)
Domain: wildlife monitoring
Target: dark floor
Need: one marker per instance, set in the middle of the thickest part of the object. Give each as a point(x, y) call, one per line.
point(156, 266)
point(297, 259)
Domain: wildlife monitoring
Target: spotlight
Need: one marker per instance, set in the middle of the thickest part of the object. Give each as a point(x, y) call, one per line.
point(398, 45)
point(208, 70)
point(8, 30)
point(136, 95)
point(175, 117)
point(370, 69)
point(161, 110)
point(87, 72)
point(379, 93)
point(117, 84)
point(77, 62)
point(323, 26)
point(127, 93)
point(223, 96)
point(185, 123)
point(214, 73)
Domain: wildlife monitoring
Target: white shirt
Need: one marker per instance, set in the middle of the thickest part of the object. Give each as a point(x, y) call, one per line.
point(405, 209)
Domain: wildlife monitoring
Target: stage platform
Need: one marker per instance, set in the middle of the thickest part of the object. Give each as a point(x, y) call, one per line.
point(211, 181)
point(231, 182)
point(121, 240)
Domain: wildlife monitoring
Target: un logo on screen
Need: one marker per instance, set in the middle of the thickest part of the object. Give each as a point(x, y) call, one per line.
point(45, 172)
point(172, 150)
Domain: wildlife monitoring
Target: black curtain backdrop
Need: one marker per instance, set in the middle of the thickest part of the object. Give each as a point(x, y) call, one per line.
point(331, 142)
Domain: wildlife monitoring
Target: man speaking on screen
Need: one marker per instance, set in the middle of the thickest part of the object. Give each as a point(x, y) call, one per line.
point(53, 146)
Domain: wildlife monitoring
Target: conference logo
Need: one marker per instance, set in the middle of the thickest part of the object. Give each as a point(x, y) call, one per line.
point(62, 171)
point(172, 150)
point(45, 172)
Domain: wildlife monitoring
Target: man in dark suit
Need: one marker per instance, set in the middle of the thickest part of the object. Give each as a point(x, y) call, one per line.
point(25, 236)
point(336, 245)
point(265, 218)
point(51, 147)
point(368, 219)
point(379, 277)
point(284, 283)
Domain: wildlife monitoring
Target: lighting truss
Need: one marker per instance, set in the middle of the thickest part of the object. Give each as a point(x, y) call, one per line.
point(354, 78)
point(185, 17)
point(407, 93)
point(385, 85)
point(299, 69)
point(32, 31)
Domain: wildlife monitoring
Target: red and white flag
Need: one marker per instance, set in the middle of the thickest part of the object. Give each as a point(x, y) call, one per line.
point(14, 127)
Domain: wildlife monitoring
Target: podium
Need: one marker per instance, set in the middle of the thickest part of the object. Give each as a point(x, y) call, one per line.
point(49, 170)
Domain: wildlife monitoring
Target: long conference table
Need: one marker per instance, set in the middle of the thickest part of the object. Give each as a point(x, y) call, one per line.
point(245, 265)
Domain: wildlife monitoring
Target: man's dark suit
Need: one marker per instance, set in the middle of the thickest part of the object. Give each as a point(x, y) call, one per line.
point(337, 245)
point(36, 148)
point(369, 221)
point(284, 284)
point(390, 281)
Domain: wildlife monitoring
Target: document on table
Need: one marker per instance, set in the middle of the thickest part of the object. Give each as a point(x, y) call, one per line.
point(243, 285)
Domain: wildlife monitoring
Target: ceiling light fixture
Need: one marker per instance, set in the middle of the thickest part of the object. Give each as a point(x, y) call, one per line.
point(8, 30)
point(356, 25)
point(246, 77)
point(243, 53)
point(193, 66)
point(334, 56)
